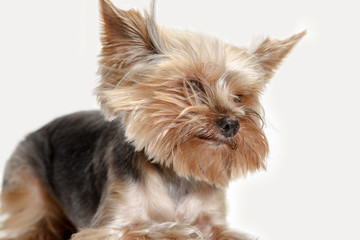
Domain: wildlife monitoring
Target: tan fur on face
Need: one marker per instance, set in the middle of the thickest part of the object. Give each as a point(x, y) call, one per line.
point(147, 77)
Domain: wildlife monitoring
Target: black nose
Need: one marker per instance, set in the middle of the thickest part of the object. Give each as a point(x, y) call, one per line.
point(229, 127)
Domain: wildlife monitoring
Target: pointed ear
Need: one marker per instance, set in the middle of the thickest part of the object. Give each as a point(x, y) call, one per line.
point(125, 33)
point(270, 53)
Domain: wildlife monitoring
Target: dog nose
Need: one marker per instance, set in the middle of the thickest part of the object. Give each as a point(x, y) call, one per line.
point(228, 126)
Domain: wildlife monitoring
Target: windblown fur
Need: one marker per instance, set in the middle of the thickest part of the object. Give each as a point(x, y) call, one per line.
point(180, 118)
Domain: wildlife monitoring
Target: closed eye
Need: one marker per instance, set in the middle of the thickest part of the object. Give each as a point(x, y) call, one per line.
point(238, 98)
point(197, 86)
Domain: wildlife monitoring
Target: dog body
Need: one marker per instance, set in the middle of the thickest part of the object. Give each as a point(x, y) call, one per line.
point(181, 117)
point(65, 161)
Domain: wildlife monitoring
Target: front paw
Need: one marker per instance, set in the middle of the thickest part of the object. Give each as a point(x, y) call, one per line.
point(97, 234)
point(225, 234)
point(164, 231)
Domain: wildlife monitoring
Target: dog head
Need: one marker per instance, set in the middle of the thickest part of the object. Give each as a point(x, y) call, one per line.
point(190, 101)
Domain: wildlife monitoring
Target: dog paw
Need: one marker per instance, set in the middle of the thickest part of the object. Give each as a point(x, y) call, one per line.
point(98, 233)
point(233, 235)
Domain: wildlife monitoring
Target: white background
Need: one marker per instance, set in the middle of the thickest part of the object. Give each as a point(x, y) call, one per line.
point(48, 64)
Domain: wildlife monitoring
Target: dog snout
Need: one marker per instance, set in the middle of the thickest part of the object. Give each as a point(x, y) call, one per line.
point(228, 126)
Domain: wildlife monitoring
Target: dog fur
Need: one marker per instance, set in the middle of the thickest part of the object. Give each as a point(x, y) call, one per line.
point(180, 118)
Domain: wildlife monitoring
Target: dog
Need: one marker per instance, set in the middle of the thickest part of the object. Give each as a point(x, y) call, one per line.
point(180, 118)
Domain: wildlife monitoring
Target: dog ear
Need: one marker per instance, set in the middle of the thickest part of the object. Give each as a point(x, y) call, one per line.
point(126, 34)
point(270, 53)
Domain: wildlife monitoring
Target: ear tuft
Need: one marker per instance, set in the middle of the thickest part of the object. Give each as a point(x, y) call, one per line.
point(125, 32)
point(270, 53)
point(129, 42)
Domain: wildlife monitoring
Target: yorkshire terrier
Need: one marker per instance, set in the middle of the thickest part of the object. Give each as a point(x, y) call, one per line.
point(181, 118)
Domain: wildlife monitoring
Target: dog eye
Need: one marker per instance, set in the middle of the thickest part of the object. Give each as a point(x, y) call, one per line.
point(238, 98)
point(196, 85)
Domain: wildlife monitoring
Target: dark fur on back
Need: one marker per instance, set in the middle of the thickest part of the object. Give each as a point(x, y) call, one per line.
point(68, 155)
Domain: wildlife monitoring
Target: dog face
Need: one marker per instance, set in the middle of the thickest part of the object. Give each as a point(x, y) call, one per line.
point(190, 101)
